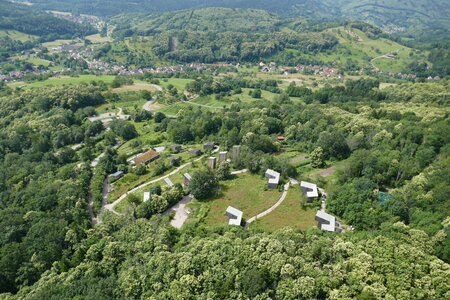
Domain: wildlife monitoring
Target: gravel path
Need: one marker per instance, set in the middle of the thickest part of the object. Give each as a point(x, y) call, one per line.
point(181, 214)
point(323, 173)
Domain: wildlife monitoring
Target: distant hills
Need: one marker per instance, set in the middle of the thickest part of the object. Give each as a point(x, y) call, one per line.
point(207, 19)
point(28, 20)
point(249, 35)
point(390, 15)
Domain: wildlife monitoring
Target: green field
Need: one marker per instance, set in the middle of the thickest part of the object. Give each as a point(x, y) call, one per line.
point(288, 214)
point(246, 192)
point(65, 80)
point(179, 83)
point(174, 109)
point(56, 43)
point(97, 39)
point(39, 62)
point(17, 35)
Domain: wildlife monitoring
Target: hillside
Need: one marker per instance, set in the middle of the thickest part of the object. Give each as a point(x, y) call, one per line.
point(248, 35)
point(390, 14)
point(29, 21)
point(212, 19)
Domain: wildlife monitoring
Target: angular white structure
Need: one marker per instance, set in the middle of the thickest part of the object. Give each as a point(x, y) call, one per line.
point(326, 221)
point(168, 181)
point(235, 216)
point(187, 179)
point(310, 189)
point(274, 178)
point(146, 196)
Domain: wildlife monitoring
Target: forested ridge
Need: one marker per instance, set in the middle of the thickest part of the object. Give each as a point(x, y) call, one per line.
point(109, 187)
point(28, 20)
point(407, 14)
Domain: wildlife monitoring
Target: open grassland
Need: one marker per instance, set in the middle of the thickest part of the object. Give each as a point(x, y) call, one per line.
point(246, 192)
point(66, 80)
point(56, 43)
point(98, 39)
point(289, 214)
point(17, 35)
point(39, 62)
point(135, 88)
point(179, 83)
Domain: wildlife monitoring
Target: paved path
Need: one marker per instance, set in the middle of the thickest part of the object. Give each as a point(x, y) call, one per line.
point(381, 56)
point(181, 213)
point(283, 196)
point(147, 104)
point(111, 206)
point(239, 172)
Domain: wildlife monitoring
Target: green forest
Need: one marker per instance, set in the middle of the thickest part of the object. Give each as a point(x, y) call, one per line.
point(398, 142)
point(28, 20)
point(224, 150)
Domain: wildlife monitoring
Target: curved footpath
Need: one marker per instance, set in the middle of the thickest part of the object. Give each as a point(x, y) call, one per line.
point(268, 211)
point(111, 206)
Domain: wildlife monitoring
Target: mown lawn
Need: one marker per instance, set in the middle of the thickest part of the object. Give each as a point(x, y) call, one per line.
point(97, 39)
point(246, 192)
point(179, 83)
point(288, 214)
point(17, 35)
point(39, 62)
point(63, 80)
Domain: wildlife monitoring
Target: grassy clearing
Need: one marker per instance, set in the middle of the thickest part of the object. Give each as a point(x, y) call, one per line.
point(17, 35)
point(135, 88)
point(288, 214)
point(246, 192)
point(174, 109)
point(39, 62)
point(97, 39)
point(212, 101)
point(65, 80)
point(56, 43)
point(179, 83)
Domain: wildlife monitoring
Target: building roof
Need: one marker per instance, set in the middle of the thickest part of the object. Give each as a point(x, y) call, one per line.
point(231, 211)
point(146, 196)
point(274, 176)
point(117, 174)
point(313, 192)
point(329, 219)
point(146, 157)
point(187, 176)
point(168, 181)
